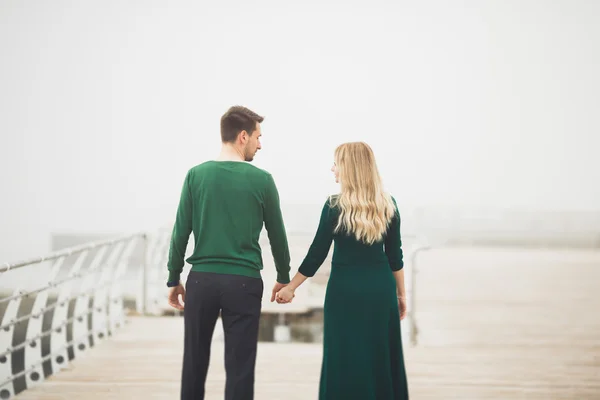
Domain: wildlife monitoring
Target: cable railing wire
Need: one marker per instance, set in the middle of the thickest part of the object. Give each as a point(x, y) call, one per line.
point(68, 252)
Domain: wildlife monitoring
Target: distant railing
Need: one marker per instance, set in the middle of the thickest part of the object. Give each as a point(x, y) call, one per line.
point(79, 303)
point(412, 289)
point(151, 280)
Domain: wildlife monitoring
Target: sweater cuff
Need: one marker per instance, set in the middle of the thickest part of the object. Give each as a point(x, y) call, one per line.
point(173, 276)
point(283, 278)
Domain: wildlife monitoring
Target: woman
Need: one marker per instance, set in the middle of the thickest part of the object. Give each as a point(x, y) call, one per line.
point(365, 299)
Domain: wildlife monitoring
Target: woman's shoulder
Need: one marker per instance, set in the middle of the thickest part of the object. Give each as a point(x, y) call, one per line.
point(395, 206)
point(331, 206)
point(393, 199)
point(332, 201)
point(332, 198)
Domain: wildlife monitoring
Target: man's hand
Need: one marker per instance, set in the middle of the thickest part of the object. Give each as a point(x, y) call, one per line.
point(278, 286)
point(174, 293)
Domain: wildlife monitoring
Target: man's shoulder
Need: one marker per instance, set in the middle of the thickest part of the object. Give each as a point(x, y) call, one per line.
point(257, 174)
point(199, 167)
point(261, 175)
point(248, 169)
point(258, 170)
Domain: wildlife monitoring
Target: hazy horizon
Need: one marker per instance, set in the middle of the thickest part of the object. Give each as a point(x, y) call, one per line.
point(471, 106)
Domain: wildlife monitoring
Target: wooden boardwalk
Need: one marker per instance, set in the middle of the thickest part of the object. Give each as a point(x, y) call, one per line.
point(495, 324)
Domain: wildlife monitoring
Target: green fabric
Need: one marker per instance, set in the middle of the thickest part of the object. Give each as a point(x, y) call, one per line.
point(225, 204)
point(362, 345)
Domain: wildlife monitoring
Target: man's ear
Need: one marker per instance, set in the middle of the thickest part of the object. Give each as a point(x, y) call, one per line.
point(243, 136)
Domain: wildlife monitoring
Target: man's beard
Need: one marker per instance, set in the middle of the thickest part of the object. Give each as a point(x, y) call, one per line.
point(248, 156)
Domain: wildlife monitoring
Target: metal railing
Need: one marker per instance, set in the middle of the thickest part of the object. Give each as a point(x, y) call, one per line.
point(151, 280)
point(78, 303)
point(412, 288)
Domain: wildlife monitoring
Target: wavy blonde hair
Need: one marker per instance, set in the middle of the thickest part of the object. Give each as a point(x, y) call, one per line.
point(365, 209)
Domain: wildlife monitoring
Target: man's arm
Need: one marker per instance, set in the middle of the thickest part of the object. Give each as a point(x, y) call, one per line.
point(180, 235)
point(276, 231)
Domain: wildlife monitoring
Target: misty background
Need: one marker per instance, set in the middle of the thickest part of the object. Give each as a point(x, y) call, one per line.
point(483, 114)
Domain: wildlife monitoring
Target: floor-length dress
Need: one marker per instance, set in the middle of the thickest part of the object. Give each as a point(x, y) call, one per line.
point(362, 344)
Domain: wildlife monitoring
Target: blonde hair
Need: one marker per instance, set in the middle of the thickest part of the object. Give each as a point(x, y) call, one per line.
point(365, 209)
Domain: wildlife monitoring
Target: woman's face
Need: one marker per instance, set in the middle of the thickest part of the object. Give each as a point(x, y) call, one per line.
point(336, 173)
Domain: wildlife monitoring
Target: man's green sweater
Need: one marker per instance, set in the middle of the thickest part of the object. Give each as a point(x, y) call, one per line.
point(225, 204)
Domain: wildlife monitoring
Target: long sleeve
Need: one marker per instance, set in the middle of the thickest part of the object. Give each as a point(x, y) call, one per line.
point(317, 253)
point(181, 233)
point(276, 231)
point(393, 242)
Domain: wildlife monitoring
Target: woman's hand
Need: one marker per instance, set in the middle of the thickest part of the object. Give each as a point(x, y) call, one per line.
point(285, 295)
point(402, 307)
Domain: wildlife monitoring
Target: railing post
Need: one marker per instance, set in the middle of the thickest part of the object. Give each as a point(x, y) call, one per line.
point(145, 276)
point(34, 352)
point(81, 332)
point(7, 390)
point(59, 341)
point(116, 310)
point(414, 331)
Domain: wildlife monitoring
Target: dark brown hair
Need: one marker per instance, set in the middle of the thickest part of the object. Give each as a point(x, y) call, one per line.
point(238, 119)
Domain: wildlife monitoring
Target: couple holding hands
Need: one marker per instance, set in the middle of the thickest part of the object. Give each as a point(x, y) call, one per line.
point(225, 203)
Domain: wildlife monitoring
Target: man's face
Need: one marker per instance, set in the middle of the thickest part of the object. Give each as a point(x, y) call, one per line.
point(252, 144)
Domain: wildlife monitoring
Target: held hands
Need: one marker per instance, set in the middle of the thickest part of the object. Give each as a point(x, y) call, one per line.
point(285, 295)
point(173, 297)
point(278, 286)
point(282, 289)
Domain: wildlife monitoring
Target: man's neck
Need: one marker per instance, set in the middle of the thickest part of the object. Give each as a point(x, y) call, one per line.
point(230, 153)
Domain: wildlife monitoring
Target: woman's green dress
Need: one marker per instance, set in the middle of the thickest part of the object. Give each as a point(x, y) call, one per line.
point(362, 344)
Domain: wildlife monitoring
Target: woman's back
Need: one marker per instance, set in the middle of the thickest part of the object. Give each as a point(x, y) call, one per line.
point(348, 250)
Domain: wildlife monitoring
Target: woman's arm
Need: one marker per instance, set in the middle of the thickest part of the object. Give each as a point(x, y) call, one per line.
point(297, 281)
point(317, 253)
point(399, 276)
point(393, 250)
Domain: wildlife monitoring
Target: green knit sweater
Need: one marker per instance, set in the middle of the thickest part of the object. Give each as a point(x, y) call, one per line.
point(225, 204)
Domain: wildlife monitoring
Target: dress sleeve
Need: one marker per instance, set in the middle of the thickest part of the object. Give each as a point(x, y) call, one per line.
point(317, 253)
point(393, 242)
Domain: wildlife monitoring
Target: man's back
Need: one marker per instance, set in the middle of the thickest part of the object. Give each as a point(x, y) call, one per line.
point(225, 203)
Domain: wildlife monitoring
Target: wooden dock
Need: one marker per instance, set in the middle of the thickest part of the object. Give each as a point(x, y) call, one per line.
point(494, 323)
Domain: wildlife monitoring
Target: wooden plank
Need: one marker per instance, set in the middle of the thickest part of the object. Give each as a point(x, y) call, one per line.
point(495, 324)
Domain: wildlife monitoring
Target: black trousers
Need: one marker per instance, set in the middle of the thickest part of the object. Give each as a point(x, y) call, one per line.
point(238, 299)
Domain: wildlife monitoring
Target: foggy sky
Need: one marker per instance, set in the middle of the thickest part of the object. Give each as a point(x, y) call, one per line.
point(104, 106)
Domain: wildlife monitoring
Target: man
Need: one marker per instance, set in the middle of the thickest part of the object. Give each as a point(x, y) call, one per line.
point(225, 203)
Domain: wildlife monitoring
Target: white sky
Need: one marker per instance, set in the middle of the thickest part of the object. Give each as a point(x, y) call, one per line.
point(105, 105)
